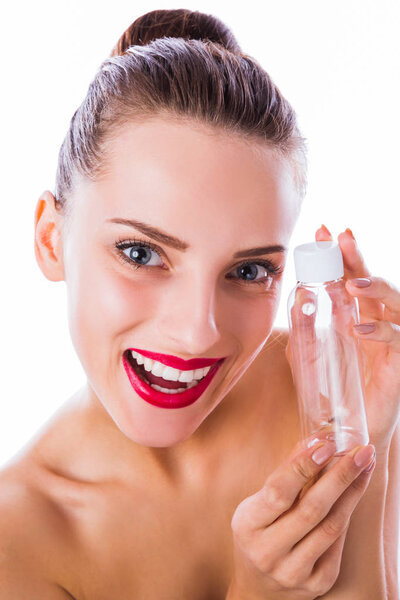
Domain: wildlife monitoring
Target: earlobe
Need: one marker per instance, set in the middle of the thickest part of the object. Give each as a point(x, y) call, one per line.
point(48, 238)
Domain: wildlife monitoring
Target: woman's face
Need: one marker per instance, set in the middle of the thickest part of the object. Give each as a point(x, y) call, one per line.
point(219, 196)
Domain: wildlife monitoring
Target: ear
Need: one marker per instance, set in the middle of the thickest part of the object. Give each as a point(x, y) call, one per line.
point(48, 237)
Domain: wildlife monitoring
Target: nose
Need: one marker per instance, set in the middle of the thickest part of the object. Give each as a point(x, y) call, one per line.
point(187, 319)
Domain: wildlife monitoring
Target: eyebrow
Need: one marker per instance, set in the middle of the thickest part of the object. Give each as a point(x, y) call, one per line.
point(177, 244)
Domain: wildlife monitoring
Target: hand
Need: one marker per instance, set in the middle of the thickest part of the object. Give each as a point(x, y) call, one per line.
point(378, 303)
point(290, 548)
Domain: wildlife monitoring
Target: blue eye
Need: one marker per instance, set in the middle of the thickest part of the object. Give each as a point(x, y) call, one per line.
point(140, 252)
point(249, 271)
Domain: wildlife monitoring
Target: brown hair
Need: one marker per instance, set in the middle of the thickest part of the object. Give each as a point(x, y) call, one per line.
point(182, 64)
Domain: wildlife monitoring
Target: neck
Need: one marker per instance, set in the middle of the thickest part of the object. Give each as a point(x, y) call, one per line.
point(228, 427)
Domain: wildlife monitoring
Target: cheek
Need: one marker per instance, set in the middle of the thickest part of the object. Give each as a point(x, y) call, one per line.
point(251, 320)
point(104, 307)
point(122, 303)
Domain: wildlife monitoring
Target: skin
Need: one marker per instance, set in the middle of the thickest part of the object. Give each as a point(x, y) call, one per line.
point(112, 488)
point(220, 195)
point(106, 453)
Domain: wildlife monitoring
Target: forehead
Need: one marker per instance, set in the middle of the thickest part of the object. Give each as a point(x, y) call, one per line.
point(164, 167)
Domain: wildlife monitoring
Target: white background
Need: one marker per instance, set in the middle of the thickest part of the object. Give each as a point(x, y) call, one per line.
point(337, 62)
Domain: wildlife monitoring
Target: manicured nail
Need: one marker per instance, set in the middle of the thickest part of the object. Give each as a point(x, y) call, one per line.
point(326, 230)
point(363, 457)
point(361, 282)
point(350, 232)
point(371, 467)
point(364, 327)
point(314, 441)
point(324, 452)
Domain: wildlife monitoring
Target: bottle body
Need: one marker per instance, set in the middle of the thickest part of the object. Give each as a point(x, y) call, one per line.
point(327, 364)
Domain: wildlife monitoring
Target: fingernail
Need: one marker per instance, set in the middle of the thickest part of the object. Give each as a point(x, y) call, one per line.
point(371, 467)
point(363, 457)
point(323, 453)
point(326, 229)
point(350, 232)
point(364, 327)
point(313, 442)
point(361, 281)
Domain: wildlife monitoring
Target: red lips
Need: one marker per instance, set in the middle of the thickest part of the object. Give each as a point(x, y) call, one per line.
point(178, 363)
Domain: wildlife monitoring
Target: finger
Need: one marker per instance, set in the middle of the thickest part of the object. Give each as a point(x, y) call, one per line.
point(383, 331)
point(327, 568)
point(311, 382)
point(320, 575)
point(280, 489)
point(309, 549)
point(378, 289)
point(305, 350)
point(354, 266)
point(317, 502)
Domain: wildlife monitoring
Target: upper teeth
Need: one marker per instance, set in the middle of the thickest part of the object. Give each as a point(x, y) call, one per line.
point(169, 373)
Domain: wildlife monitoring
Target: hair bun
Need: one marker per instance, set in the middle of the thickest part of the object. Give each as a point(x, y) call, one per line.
point(179, 22)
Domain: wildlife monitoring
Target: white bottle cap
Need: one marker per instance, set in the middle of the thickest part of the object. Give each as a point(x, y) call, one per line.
point(318, 261)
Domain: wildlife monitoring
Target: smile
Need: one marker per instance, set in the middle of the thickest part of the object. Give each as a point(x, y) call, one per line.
point(165, 386)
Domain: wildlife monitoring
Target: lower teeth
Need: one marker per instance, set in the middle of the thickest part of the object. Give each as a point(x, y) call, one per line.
point(169, 391)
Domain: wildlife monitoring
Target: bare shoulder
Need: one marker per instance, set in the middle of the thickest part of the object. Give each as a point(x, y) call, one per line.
point(276, 344)
point(274, 369)
point(27, 540)
point(269, 378)
point(272, 362)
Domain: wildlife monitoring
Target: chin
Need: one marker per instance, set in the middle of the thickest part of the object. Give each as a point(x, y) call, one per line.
point(158, 433)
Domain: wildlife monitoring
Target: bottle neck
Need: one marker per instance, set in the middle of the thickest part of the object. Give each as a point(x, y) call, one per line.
point(319, 283)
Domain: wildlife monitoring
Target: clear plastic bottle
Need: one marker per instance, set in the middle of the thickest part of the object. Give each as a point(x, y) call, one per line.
point(327, 364)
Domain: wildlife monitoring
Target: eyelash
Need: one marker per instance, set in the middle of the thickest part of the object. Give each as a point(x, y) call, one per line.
point(121, 245)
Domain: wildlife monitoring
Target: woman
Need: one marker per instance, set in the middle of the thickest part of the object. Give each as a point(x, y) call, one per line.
point(175, 471)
